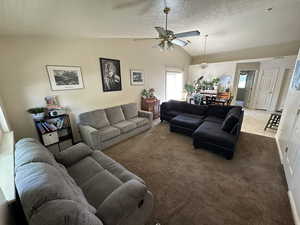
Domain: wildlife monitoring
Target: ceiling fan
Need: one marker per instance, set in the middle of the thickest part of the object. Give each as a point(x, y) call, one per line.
point(168, 38)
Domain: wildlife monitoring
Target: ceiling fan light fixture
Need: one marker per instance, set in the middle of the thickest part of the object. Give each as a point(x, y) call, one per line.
point(204, 65)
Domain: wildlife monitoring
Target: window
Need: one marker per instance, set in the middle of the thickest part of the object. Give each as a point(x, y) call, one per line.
point(174, 85)
point(243, 80)
point(3, 123)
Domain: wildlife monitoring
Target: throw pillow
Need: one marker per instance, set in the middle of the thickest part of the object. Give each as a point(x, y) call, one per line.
point(229, 123)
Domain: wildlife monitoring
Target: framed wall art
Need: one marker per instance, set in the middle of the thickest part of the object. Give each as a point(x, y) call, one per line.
point(65, 77)
point(137, 77)
point(110, 74)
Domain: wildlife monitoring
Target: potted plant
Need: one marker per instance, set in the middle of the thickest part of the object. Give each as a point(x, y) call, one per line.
point(148, 94)
point(37, 113)
point(215, 83)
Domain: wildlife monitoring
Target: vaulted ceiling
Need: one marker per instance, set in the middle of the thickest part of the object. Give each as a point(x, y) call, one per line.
point(230, 24)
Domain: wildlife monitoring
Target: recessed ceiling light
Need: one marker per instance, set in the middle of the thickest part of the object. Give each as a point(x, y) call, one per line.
point(269, 9)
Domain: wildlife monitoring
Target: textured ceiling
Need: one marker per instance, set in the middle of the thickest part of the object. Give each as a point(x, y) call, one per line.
point(230, 24)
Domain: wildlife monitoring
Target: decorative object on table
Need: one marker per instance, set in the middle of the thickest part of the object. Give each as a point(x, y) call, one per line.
point(54, 130)
point(52, 102)
point(37, 113)
point(168, 39)
point(296, 79)
point(110, 74)
point(148, 93)
point(65, 77)
point(137, 77)
point(198, 98)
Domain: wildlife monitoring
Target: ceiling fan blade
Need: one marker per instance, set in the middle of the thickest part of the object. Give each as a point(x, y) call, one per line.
point(179, 42)
point(188, 34)
point(162, 32)
point(145, 39)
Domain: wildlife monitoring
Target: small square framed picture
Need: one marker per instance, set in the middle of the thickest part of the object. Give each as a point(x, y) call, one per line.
point(65, 77)
point(137, 77)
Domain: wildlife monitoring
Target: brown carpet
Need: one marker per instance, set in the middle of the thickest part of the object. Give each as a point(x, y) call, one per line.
point(196, 187)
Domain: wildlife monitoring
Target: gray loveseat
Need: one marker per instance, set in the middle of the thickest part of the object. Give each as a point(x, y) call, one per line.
point(105, 127)
point(79, 187)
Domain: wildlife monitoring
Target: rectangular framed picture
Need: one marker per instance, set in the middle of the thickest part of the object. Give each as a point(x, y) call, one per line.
point(110, 74)
point(65, 77)
point(137, 77)
point(296, 79)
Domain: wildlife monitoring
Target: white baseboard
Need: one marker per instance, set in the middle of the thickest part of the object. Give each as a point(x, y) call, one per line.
point(279, 150)
point(294, 209)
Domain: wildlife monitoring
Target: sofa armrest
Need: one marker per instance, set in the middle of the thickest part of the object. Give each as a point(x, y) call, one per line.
point(145, 114)
point(122, 202)
point(73, 154)
point(62, 212)
point(89, 135)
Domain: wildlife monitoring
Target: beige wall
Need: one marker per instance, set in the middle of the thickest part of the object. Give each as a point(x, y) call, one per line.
point(24, 81)
point(284, 49)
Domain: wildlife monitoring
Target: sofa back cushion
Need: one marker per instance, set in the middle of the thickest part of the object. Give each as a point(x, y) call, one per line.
point(229, 123)
point(96, 119)
point(115, 114)
point(176, 105)
point(130, 110)
point(29, 150)
point(217, 111)
point(38, 183)
point(195, 109)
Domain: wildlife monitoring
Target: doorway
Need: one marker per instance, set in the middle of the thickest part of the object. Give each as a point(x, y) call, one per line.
point(245, 86)
point(174, 85)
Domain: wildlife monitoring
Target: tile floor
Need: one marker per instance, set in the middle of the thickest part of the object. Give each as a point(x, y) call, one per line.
point(255, 121)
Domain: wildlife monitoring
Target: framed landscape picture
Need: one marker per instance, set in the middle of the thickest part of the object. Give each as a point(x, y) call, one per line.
point(296, 79)
point(137, 77)
point(110, 74)
point(65, 77)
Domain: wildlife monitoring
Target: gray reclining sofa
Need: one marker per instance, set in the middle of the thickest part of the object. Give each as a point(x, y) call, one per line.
point(79, 187)
point(105, 127)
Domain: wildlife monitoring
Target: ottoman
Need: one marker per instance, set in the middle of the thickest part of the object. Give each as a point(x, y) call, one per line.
point(185, 124)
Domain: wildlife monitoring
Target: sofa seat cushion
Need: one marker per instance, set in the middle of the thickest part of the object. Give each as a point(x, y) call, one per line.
point(211, 132)
point(108, 133)
point(99, 187)
point(130, 110)
point(140, 121)
point(96, 119)
point(214, 119)
point(125, 126)
point(83, 170)
point(115, 114)
point(114, 168)
point(186, 121)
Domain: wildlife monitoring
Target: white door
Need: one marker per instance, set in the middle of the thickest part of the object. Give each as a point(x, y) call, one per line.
point(292, 152)
point(284, 88)
point(266, 87)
